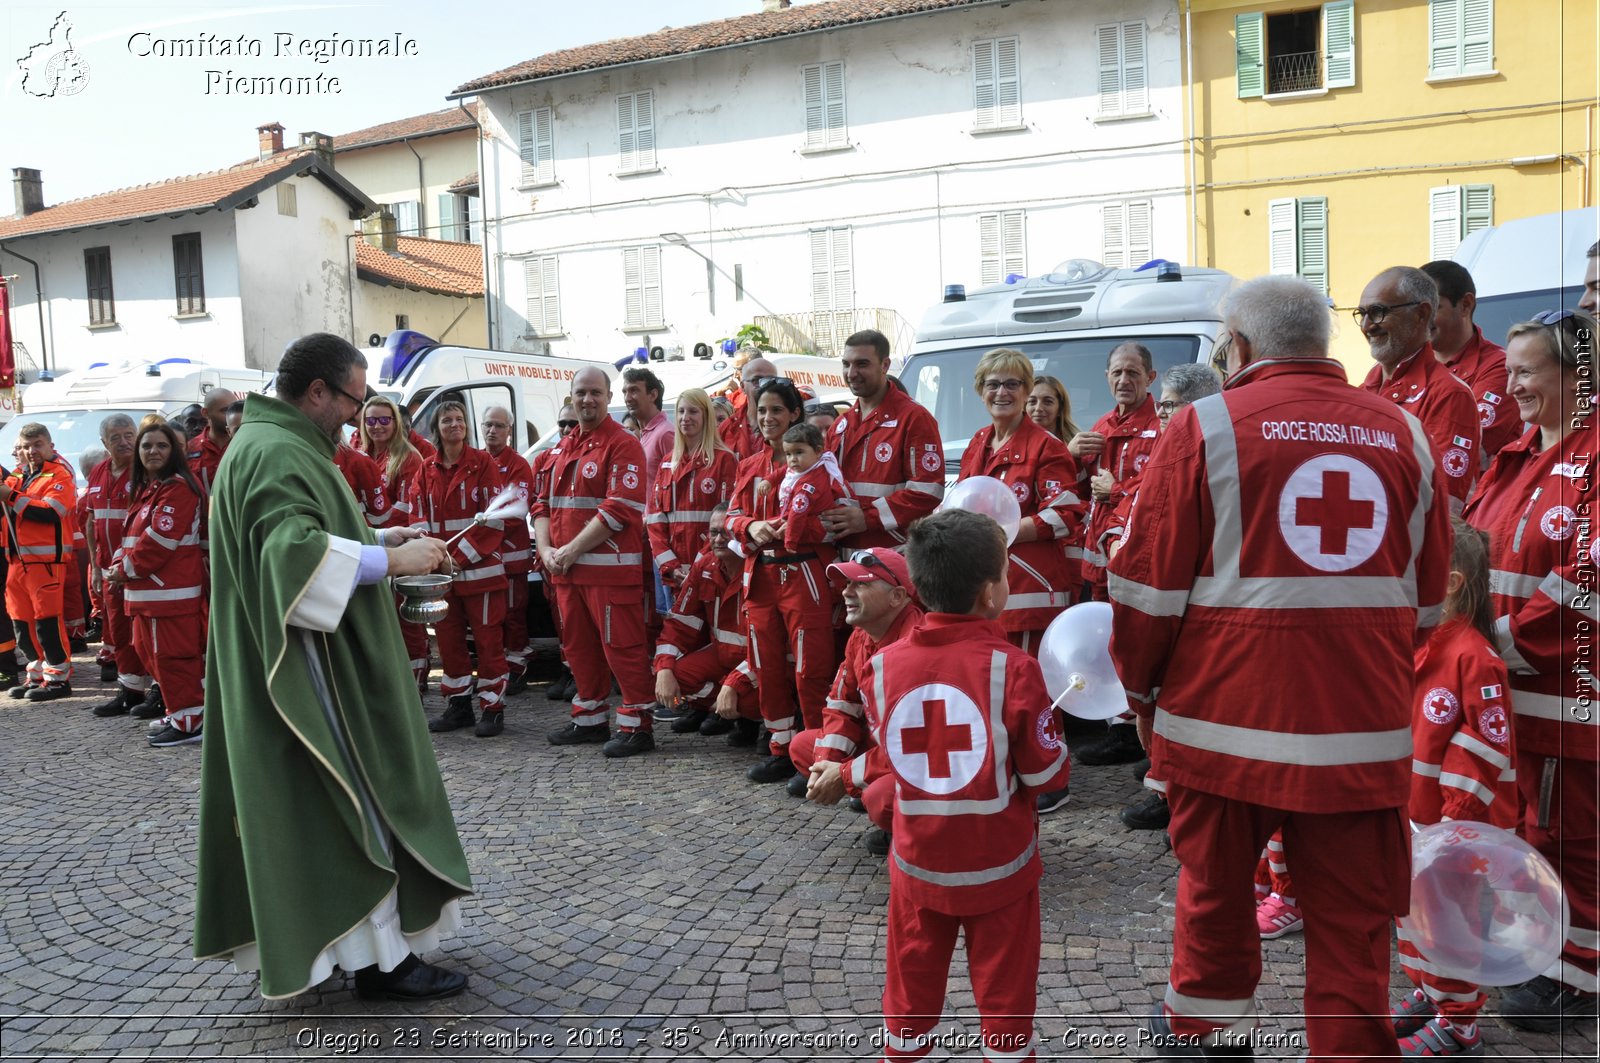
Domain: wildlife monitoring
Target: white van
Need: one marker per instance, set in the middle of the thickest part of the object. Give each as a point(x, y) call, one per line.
point(1531, 264)
point(1066, 322)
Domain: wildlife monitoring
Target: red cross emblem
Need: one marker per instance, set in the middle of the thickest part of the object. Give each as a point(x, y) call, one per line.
point(1494, 725)
point(936, 738)
point(1333, 512)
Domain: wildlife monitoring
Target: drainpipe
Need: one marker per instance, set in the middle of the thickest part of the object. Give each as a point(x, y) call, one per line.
point(490, 336)
point(38, 302)
point(1194, 191)
point(422, 193)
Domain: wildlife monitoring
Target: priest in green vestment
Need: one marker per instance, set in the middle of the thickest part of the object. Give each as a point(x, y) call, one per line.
point(326, 837)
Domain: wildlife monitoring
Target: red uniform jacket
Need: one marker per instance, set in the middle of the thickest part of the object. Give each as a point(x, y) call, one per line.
point(846, 730)
point(1462, 752)
point(1266, 611)
point(160, 551)
point(1448, 412)
point(738, 433)
point(365, 478)
point(399, 491)
point(969, 732)
point(108, 500)
point(1538, 508)
point(540, 467)
point(747, 505)
point(681, 500)
point(1481, 365)
point(1041, 473)
point(812, 492)
point(204, 454)
point(598, 474)
point(1130, 440)
point(447, 500)
point(707, 610)
point(894, 463)
point(517, 549)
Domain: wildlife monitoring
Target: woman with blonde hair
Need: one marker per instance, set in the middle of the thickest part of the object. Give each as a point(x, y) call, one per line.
point(694, 480)
point(381, 435)
point(1050, 407)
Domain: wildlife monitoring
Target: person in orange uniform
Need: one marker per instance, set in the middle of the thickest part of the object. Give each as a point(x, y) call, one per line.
point(160, 568)
point(39, 502)
point(381, 436)
point(516, 552)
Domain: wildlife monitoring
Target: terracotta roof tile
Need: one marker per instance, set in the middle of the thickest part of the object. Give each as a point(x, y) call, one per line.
point(463, 184)
point(444, 267)
point(449, 120)
point(744, 29)
point(177, 195)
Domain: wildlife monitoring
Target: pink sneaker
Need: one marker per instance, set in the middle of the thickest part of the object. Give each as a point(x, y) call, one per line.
point(1438, 1038)
point(1275, 917)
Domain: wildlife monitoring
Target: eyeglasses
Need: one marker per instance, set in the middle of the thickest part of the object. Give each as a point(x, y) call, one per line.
point(378, 420)
point(868, 559)
point(814, 408)
point(566, 426)
point(1168, 406)
point(359, 402)
point(1377, 311)
point(991, 386)
point(1553, 317)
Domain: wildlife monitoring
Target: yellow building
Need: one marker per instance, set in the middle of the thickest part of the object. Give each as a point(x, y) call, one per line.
point(1336, 140)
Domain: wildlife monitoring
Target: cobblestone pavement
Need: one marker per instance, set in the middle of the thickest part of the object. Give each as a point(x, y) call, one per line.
point(656, 908)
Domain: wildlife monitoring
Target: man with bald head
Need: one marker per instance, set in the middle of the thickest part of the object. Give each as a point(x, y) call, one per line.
point(205, 448)
point(588, 523)
point(739, 432)
point(516, 550)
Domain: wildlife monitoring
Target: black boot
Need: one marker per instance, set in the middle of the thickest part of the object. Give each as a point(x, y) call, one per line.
point(518, 682)
point(153, 707)
point(457, 714)
point(120, 705)
point(554, 690)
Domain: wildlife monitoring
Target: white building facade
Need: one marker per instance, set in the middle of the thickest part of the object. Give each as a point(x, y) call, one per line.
point(826, 179)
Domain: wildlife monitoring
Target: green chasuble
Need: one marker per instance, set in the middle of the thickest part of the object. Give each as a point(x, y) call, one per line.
point(319, 792)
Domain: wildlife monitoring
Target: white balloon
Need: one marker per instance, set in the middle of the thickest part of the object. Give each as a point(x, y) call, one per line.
point(1486, 907)
point(992, 498)
point(1075, 655)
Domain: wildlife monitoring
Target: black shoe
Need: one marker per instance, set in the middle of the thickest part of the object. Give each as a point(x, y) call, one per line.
point(9, 679)
point(1052, 801)
point(1544, 1005)
point(457, 714)
point(797, 785)
point(490, 724)
point(573, 735)
point(743, 734)
point(554, 691)
point(517, 683)
point(92, 631)
point(775, 768)
point(876, 841)
point(1150, 814)
point(667, 713)
point(50, 691)
point(78, 644)
point(108, 672)
point(21, 689)
point(629, 744)
point(569, 689)
point(170, 736)
point(1140, 769)
point(153, 707)
point(857, 805)
point(120, 705)
point(714, 725)
point(1119, 746)
point(1166, 1044)
point(690, 722)
point(412, 980)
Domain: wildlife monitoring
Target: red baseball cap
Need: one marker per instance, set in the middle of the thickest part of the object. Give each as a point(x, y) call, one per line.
point(880, 562)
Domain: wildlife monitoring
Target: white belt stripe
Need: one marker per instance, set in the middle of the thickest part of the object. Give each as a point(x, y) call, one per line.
point(969, 878)
point(169, 594)
point(1551, 707)
point(610, 560)
point(1283, 747)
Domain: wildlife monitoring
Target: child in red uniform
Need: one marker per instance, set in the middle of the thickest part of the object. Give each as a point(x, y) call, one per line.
point(965, 725)
point(1462, 754)
point(812, 484)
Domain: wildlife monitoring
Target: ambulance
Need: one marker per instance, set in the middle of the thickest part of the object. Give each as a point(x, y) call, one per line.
point(1531, 264)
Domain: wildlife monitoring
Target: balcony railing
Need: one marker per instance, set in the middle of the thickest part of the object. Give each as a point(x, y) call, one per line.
point(1294, 72)
point(824, 332)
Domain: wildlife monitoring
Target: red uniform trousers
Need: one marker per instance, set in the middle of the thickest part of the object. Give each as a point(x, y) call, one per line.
point(1272, 873)
point(700, 672)
point(131, 670)
point(602, 634)
point(485, 615)
point(516, 623)
point(879, 794)
point(34, 598)
point(72, 592)
point(1356, 870)
point(1002, 960)
point(416, 640)
point(175, 646)
point(790, 616)
point(1568, 839)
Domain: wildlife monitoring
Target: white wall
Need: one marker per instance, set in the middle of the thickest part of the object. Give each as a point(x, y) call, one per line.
point(444, 318)
point(733, 180)
point(388, 172)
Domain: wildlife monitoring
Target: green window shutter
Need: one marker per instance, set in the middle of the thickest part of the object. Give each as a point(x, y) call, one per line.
point(1312, 225)
point(1444, 37)
point(1477, 210)
point(1339, 33)
point(447, 218)
point(1250, 57)
point(1477, 36)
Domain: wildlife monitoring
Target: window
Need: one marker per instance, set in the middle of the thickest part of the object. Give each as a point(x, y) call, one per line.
point(1456, 212)
point(407, 217)
point(459, 218)
point(1123, 89)
point(996, 88)
point(1460, 37)
point(636, 132)
point(288, 203)
point(189, 277)
point(824, 88)
point(97, 271)
point(833, 295)
point(641, 284)
point(1000, 246)
point(1297, 234)
point(1285, 52)
point(1125, 234)
point(544, 296)
point(536, 143)
point(402, 321)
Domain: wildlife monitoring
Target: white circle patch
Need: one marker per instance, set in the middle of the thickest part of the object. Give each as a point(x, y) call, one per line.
point(1022, 491)
point(800, 504)
point(931, 461)
point(1440, 705)
point(1493, 723)
point(590, 470)
point(1045, 729)
point(630, 480)
point(1456, 462)
point(164, 522)
point(1557, 523)
point(1333, 512)
point(937, 739)
point(883, 452)
point(1485, 415)
point(708, 486)
point(1140, 462)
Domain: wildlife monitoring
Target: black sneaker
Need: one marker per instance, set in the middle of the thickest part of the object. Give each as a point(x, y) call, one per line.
point(153, 707)
point(1141, 768)
point(690, 722)
point(21, 689)
point(714, 725)
point(108, 671)
point(517, 683)
point(50, 691)
point(743, 734)
point(557, 685)
point(457, 714)
point(629, 744)
point(876, 841)
point(9, 679)
point(857, 805)
point(1166, 1044)
point(1150, 814)
point(667, 713)
point(410, 982)
point(1119, 746)
point(120, 705)
point(1050, 802)
point(170, 736)
point(78, 644)
point(775, 768)
point(1544, 1005)
point(92, 631)
point(490, 724)
point(797, 785)
point(573, 735)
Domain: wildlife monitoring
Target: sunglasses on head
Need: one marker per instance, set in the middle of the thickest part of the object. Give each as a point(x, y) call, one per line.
point(376, 420)
point(1553, 317)
point(868, 559)
point(763, 381)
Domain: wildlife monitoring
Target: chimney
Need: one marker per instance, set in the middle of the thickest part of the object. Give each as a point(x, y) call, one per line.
point(321, 143)
point(770, 6)
point(379, 231)
point(28, 189)
point(270, 138)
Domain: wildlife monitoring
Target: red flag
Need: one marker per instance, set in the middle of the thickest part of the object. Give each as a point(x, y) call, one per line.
point(8, 363)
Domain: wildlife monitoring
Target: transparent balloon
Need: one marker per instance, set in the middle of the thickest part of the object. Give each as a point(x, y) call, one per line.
point(1485, 906)
point(992, 498)
point(1075, 655)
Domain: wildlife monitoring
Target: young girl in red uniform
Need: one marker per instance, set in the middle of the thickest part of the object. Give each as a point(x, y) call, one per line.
point(1461, 764)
